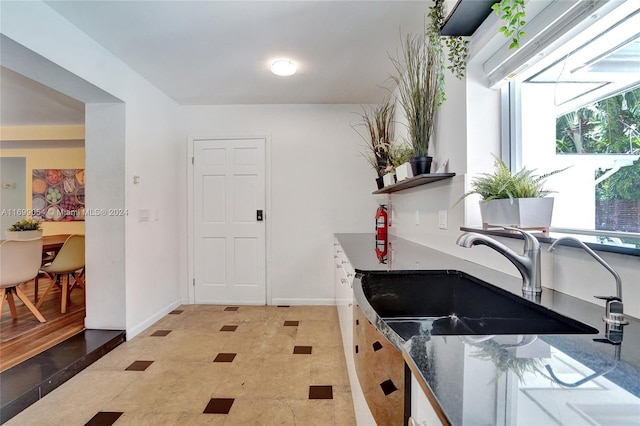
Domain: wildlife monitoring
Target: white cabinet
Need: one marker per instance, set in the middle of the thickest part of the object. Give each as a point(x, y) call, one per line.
point(422, 412)
point(344, 275)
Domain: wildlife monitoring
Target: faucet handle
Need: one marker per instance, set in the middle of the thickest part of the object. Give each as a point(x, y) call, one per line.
point(614, 311)
point(608, 298)
point(530, 241)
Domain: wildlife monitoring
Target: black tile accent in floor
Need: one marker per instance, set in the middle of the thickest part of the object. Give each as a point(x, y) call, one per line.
point(161, 333)
point(224, 357)
point(284, 306)
point(231, 308)
point(356, 348)
point(229, 328)
point(34, 378)
point(139, 365)
point(291, 323)
point(388, 387)
point(320, 392)
point(104, 418)
point(305, 350)
point(219, 406)
point(377, 346)
point(176, 312)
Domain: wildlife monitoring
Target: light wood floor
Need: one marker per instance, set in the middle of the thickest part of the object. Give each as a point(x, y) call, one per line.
point(24, 337)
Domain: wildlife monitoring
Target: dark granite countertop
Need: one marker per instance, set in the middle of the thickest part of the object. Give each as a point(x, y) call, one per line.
point(510, 379)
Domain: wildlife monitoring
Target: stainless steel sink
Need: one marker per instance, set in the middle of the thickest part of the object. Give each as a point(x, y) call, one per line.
point(454, 303)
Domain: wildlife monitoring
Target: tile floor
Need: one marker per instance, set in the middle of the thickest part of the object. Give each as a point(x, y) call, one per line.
point(213, 365)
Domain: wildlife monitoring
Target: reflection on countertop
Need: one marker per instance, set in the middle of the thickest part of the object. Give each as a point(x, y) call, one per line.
point(511, 379)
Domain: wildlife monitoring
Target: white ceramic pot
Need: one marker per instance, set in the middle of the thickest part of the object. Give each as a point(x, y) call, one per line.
point(521, 213)
point(389, 179)
point(403, 171)
point(22, 235)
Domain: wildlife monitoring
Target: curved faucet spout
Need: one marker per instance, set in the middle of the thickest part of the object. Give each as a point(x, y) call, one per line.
point(614, 310)
point(600, 260)
point(528, 263)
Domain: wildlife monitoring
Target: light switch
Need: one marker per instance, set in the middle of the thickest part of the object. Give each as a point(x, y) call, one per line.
point(417, 217)
point(442, 219)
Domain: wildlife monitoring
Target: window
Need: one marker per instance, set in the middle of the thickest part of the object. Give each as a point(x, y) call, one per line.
point(580, 107)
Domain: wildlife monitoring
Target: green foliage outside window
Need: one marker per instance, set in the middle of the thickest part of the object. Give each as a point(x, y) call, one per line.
point(608, 126)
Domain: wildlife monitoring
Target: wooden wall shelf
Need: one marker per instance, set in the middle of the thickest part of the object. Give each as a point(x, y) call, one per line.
point(414, 181)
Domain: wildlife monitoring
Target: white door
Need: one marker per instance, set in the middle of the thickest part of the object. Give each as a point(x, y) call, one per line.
point(229, 234)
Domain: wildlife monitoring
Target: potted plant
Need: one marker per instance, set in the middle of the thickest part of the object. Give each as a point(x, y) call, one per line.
point(400, 158)
point(420, 92)
point(513, 199)
point(378, 122)
point(24, 229)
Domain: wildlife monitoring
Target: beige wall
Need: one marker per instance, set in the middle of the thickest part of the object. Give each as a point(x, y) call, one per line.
point(50, 158)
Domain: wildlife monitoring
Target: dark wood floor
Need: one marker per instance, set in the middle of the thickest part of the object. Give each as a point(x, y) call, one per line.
point(25, 337)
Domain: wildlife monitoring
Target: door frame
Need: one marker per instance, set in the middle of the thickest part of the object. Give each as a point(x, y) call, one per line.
point(191, 140)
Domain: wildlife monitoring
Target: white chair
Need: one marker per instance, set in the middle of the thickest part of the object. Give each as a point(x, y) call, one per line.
point(66, 269)
point(20, 261)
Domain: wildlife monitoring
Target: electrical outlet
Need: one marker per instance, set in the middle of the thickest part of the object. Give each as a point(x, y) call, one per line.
point(143, 215)
point(442, 219)
point(417, 217)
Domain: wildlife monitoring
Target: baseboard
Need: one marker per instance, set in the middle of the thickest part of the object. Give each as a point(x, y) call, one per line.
point(297, 302)
point(134, 331)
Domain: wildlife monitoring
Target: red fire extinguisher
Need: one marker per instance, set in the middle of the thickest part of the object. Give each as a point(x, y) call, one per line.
point(381, 222)
point(381, 233)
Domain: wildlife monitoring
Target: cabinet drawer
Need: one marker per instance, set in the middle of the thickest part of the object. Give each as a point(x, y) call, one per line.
point(342, 262)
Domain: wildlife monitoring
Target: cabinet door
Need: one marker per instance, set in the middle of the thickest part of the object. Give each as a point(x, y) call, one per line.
point(422, 413)
point(343, 276)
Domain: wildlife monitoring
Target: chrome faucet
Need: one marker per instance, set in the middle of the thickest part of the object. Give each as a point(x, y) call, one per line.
point(614, 314)
point(528, 263)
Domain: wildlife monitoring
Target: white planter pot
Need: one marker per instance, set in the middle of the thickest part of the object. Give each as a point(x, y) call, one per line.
point(22, 235)
point(403, 171)
point(521, 213)
point(389, 179)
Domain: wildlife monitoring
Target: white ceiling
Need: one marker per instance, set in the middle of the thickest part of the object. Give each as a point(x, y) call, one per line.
point(218, 52)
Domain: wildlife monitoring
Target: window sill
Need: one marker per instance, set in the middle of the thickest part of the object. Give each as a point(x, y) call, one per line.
point(599, 242)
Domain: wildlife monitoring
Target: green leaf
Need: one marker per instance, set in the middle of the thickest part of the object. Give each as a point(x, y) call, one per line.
point(502, 29)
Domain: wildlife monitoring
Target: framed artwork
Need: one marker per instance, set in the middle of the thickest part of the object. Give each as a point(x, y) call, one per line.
point(58, 195)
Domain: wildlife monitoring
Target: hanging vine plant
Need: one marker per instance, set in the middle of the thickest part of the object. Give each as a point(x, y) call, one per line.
point(512, 12)
point(457, 46)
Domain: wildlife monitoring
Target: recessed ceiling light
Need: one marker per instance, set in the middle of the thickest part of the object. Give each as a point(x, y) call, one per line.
point(283, 67)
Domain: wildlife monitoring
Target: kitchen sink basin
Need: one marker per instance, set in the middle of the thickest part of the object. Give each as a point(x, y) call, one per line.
point(455, 303)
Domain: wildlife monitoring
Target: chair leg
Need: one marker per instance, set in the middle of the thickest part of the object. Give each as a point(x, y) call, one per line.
point(12, 303)
point(3, 294)
point(79, 277)
point(37, 282)
point(65, 290)
point(46, 292)
point(29, 305)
